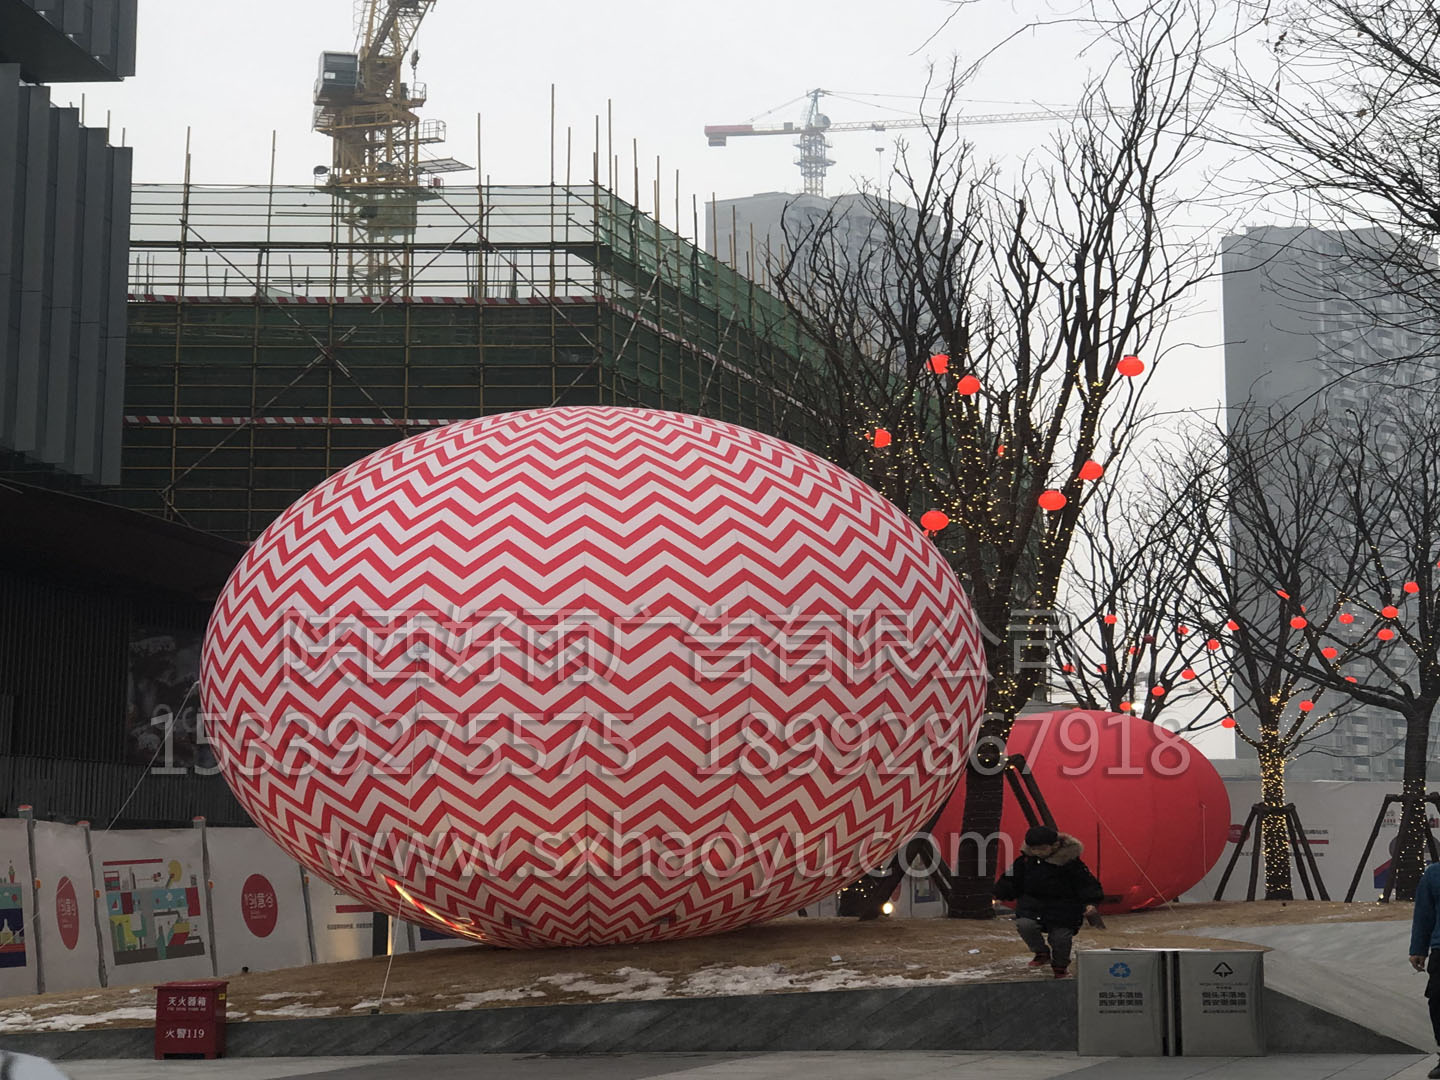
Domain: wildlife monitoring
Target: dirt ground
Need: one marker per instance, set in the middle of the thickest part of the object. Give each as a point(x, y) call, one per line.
point(787, 955)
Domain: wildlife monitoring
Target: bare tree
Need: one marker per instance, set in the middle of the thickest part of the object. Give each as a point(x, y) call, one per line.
point(1132, 639)
point(1038, 291)
point(1259, 493)
point(1374, 638)
point(1337, 105)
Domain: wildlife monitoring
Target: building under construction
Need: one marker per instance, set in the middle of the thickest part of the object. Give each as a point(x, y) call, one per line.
point(259, 362)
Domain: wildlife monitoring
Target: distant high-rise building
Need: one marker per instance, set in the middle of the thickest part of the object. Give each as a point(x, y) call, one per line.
point(1311, 324)
point(757, 233)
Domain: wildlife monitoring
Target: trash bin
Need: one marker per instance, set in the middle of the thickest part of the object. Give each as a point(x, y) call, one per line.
point(190, 1019)
point(1220, 996)
point(1124, 1010)
point(1163, 1002)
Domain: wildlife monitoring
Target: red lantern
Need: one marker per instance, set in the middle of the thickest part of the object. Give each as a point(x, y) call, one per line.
point(1412, 587)
point(881, 437)
point(1092, 470)
point(1109, 620)
point(1000, 450)
point(1390, 611)
point(1386, 634)
point(1282, 594)
point(1329, 652)
point(1150, 809)
point(1212, 644)
point(1130, 366)
point(1232, 625)
point(1298, 622)
point(1182, 630)
point(1188, 674)
point(1052, 500)
point(1157, 691)
point(939, 363)
point(1228, 722)
point(1068, 669)
point(1126, 706)
point(932, 521)
point(1347, 618)
point(968, 385)
point(1306, 706)
point(1100, 668)
point(1350, 678)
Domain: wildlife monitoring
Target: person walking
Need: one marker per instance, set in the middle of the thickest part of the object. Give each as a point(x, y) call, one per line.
point(1425, 945)
point(1053, 891)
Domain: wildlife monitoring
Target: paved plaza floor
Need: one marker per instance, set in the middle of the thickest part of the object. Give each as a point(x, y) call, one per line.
point(842, 1066)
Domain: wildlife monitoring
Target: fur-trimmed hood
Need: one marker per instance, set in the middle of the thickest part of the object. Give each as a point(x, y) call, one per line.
point(1069, 850)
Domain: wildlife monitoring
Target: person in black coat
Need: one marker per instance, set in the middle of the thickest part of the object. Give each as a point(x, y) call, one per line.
point(1053, 891)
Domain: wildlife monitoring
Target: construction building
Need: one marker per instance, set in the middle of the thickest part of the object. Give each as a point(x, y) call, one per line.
point(259, 365)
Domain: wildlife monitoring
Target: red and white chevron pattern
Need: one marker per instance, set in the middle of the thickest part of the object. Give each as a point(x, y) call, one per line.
point(577, 676)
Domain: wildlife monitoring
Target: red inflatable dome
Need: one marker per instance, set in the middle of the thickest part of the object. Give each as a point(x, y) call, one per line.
point(1150, 809)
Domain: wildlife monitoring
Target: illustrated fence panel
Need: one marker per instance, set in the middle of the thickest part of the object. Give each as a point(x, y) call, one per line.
point(19, 965)
point(65, 908)
point(152, 905)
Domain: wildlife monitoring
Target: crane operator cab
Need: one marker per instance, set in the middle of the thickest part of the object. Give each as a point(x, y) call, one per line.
point(339, 78)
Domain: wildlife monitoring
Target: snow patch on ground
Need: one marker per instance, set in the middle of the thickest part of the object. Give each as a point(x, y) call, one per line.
point(21, 1020)
point(490, 997)
point(623, 984)
point(301, 1011)
point(370, 1003)
point(289, 994)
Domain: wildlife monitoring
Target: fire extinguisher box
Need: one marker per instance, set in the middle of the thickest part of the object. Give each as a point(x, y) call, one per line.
point(190, 1019)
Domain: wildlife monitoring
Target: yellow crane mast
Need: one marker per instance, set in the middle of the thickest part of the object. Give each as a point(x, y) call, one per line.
point(368, 108)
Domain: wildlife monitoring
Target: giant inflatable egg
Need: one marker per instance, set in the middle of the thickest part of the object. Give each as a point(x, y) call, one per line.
point(1149, 808)
point(591, 675)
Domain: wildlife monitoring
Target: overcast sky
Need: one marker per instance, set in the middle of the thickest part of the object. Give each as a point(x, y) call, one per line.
point(234, 74)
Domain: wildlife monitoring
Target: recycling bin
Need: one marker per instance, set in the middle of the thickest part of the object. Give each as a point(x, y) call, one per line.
point(190, 1019)
point(1220, 996)
point(1124, 1010)
point(1170, 1002)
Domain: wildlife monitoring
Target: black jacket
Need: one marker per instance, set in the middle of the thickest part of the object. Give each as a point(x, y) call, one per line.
point(1053, 890)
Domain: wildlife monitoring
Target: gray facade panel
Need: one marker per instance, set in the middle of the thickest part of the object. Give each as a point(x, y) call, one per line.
point(9, 174)
point(91, 306)
point(59, 356)
point(64, 223)
point(69, 40)
point(114, 336)
point(35, 254)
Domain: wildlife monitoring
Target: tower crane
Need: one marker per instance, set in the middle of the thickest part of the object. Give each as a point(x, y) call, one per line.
point(364, 102)
point(814, 159)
